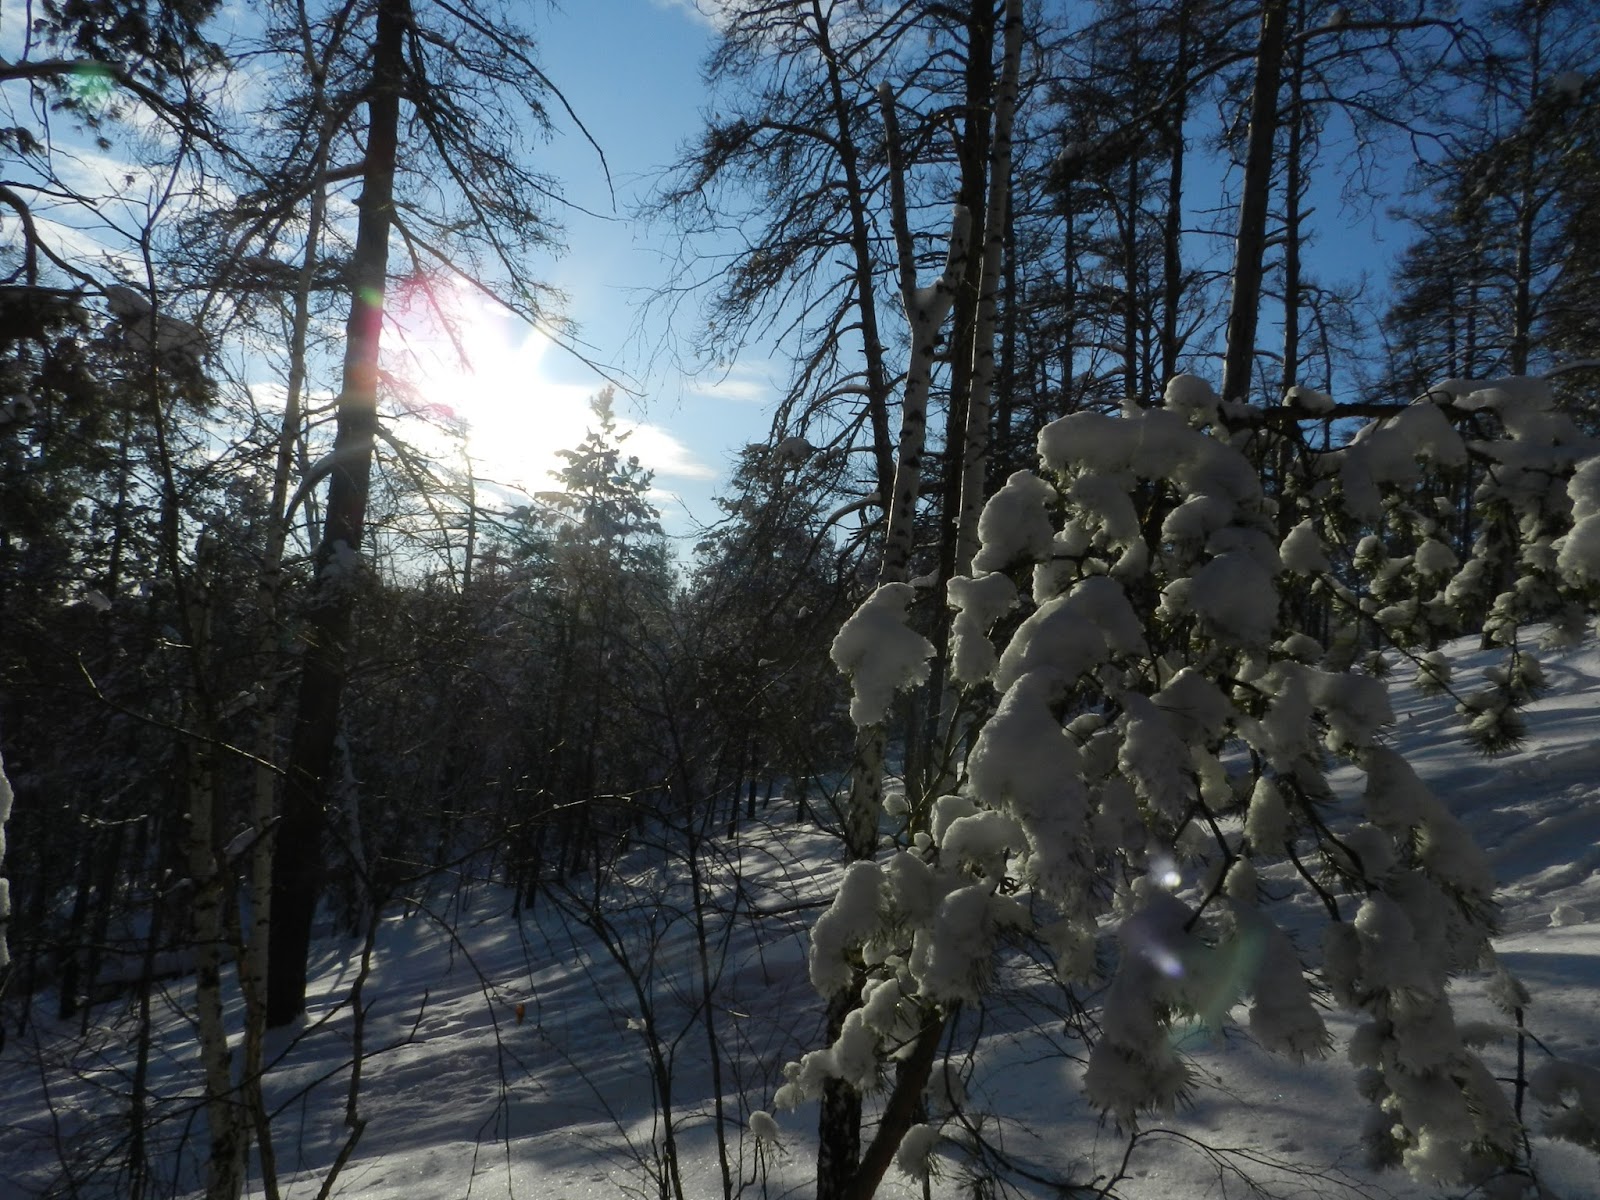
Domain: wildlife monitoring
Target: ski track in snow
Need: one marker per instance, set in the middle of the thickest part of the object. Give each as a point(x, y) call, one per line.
point(462, 1099)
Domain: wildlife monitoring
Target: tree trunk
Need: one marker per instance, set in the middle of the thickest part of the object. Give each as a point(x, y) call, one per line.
point(297, 867)
point(975, 450)
point(900, 1112)
point(1250, 247)
point(962, 424)
point(839, 1115)
point(225, 1115)
point(1172, 227)
point(1131, 382)
point(839, 1122)
point(926, 310)
point(1294, 184)
point(1527, 204)
point(862, 265)
point(5, 892)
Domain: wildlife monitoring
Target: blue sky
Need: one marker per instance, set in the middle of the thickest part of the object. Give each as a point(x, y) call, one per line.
point(631, 71)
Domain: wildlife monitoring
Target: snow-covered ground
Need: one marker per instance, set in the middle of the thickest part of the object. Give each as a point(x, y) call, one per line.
point(529, 1058)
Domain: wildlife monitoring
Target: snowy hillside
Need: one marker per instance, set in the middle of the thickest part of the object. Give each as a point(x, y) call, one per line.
point(566, 1055)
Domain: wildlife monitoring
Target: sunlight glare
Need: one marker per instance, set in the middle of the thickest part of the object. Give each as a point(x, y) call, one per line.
point(493, 382)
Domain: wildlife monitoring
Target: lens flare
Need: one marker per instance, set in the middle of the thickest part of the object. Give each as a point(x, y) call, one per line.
point(1164, 871)
point(90, 84)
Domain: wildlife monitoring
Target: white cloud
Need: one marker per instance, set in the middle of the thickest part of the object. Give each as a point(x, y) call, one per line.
point(744, 384)
point(80, 247)
point(269, 396)
point(663, 453)
point(712, 13)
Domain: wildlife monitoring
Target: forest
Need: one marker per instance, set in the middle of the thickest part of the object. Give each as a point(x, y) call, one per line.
point(1134, 659)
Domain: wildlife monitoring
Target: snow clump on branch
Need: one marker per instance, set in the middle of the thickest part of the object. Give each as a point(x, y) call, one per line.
point(1157, 739)
point(879, 653)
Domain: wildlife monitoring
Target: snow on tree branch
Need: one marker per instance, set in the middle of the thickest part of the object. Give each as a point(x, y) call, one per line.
point(879, 653)
point(1160, 731)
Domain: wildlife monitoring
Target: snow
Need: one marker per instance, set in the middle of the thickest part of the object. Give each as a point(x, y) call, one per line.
point(1196, 519)
point(879, 653)
point(1579, 550)
point(1309, 400)
point(1015, 523)
point(1025, 765)
point(764, 1127)
point(342, 565)
point(979, 603)
point(1233, 596)
point(145, 329)
point(793, 449)
point(851, 920)
point(1267, 821)
point(915, 1154)
point(458, 1095)
point(1073, 634)
point(1192, 397)
point(1302, 551)
point(1389, 454)
point(1433, 557)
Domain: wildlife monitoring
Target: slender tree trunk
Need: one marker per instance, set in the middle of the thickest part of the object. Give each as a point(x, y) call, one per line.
point(1250, 246)
point(926, 310)
point(1006, 385)
point(1527, 209)
point(862, 261)
point(839, 1113)
point(1069, 324)
point(111, 856)
point(208, 889)
point(1130, 271)
point(70, 992)
point(1172, 227)
point(962, 424)
point(263, 803)
point(899, 1113)
point(225, 1167)
point(839, 1122)
point(297, 868)
point(1294, 184)
point(139, 1084)
point(975, 451)
point(5, 892)
point(1293, 192)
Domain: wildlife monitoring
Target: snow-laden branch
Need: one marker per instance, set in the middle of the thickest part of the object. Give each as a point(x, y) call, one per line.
point(1159, 639)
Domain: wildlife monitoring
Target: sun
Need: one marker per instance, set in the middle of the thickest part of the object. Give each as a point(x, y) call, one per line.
point(484, 382)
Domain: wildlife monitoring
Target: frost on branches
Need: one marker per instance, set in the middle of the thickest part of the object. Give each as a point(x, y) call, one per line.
point(1191, 659)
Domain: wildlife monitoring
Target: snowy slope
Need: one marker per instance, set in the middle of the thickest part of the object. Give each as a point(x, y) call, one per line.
point(460, 1096)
